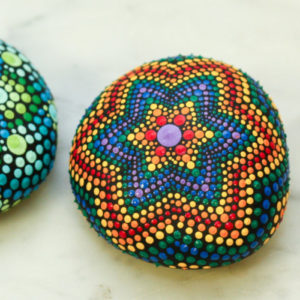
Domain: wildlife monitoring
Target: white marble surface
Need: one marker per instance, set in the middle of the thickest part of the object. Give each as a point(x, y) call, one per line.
point(47, 250)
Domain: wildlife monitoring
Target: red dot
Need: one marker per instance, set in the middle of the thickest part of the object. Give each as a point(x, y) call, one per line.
point(188, 134)
point(232, 216)
point(218, 224)
point(180, 149)
point(160, 151)
point(229, 226)
point(150, 135)
point(161, 120)
point(122, 234)
point(179, 120)
point(131, 231)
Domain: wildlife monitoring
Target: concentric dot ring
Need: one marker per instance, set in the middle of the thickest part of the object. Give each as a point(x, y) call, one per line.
point(182, 162)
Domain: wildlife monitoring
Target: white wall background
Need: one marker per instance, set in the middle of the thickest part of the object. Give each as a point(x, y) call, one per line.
point(47, 250)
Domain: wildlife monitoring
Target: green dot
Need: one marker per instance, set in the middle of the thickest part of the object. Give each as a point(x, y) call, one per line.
point(198, 244)
point(221, 250)
point(179, 256)
point(9, 114)
point(168, 262)
point(11, 59)
point(14, 96)
point(26, 98)
point(16, 144)
point(187, 239)
point(201, 262)
point(177, 234)
point(20, 108)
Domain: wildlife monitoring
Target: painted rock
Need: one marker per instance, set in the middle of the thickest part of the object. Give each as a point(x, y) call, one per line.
point(182, 162)
point(27, 127)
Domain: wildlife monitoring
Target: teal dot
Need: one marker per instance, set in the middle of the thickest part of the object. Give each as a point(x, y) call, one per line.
point(35, 179)
point(25, 182)
point(30, 156)
point(3, 179)
point(6, 169)
point(38, 165)
point(52, 112)
point(46, 159)
point(20, 162)
point(29, 139)
point(18, 173)
point(28, 170)
point(14, 184)
point(8, 159)
point(39, 149)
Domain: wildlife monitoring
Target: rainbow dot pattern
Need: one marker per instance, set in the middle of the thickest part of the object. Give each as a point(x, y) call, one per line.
point(182, 162)
point(27, 127)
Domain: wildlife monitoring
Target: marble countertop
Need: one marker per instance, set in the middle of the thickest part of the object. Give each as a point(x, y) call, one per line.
point(47, 250)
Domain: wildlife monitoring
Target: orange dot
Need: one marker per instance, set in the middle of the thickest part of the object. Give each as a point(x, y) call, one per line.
point(234, 234)
point(191, 223)
point(199, 134)
point(152, 229)
point(240, 213)
point(238, 224)
point(224, 218)
point(139, 136)
point(212, 230)
point(242, 203)
point(223, 233)
point(214, 217)
point(201, 227)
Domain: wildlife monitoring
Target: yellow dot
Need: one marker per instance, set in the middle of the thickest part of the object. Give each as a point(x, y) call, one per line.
point(189, 230)
point(239, 242)
point(198, 235)
point(219, 240)
point(180, 225)
point(151, 167)
point(169, 229)
point(247, 221)
point(190, 165)
point(127, 219)
point(140, 246)
point(245, 231)
point(130, 137)
point(229, 242)
point(194, 267)
point(209, 134)
point(219, 210)
point(249, 191)
point(159, 235)
point(131, 248)
point(149, 240)
point(189, 104)
point(209, 238)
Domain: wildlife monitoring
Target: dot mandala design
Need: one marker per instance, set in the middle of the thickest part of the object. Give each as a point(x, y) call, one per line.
point(28, 127)
point(182, 162)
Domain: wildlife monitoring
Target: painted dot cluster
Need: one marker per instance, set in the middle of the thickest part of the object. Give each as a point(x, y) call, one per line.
point(27, 127)
point(182, 162)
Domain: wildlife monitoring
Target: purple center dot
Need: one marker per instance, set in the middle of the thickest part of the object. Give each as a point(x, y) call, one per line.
point(169, 135)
